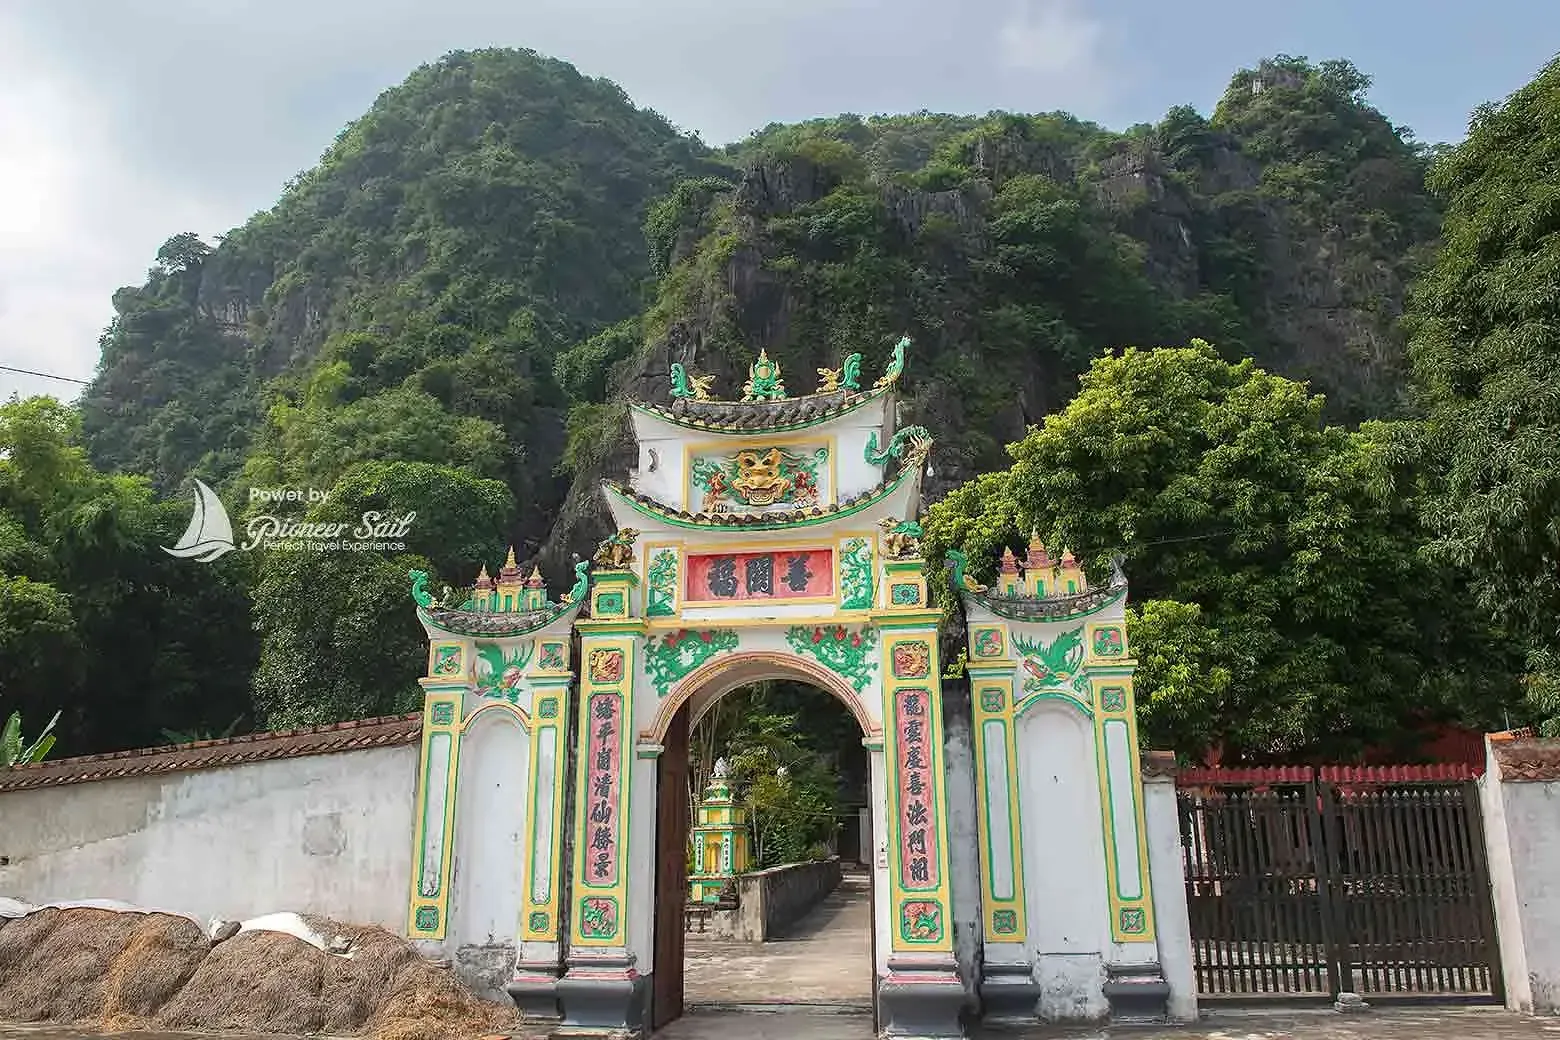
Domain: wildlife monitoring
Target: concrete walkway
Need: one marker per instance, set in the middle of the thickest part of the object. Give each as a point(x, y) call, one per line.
point(1376, 1024)
point(825, 960)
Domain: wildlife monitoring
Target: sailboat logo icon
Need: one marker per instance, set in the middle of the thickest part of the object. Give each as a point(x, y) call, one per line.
point(210, 533)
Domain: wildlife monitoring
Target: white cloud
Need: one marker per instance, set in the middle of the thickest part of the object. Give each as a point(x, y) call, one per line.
point(1059, 45)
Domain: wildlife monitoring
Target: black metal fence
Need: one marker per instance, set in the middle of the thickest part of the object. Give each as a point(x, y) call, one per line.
point(1303, 886)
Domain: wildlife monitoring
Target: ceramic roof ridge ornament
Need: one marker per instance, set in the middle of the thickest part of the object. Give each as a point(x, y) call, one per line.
point(896, 365)
point(846, 377)
point(686, 386)
point(764, 383)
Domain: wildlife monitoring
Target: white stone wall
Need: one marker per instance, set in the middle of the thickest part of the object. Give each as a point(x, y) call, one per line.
point(1167, 877)
point(326, 834)
point(491, 800)
point(1522, 835)
point(1064, 860)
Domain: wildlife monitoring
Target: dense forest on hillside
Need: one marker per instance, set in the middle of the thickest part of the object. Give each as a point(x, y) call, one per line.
point(446, 313)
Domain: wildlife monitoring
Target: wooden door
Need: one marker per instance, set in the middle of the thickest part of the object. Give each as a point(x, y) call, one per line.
point(671, 873)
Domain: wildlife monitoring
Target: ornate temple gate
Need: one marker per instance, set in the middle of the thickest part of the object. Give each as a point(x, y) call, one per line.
point(1304, 885)
point(776, 538)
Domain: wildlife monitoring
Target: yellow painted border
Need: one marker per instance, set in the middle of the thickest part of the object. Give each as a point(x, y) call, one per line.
point(990, 904)
point(754, 441)
point(1126, 715)
point(555, 730)
point(890, 686)
point(582, 888)
point(436, 695)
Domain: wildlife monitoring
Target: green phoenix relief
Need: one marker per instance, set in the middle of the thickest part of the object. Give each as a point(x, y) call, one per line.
point(670, 657)
point(856, 575)
point(1055, 665)
point(661, 584)
point(500, 676)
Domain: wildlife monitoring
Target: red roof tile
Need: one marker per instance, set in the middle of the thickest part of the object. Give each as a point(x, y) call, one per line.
point(358, 735)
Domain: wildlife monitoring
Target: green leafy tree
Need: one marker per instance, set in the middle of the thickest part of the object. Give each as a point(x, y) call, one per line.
point(1285, 608)
point(1486, 353)
point(94, 615)
point(339, 633)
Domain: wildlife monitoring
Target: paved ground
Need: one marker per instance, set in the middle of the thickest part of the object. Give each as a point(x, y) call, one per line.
point(1376, 1024)
point(826, 959)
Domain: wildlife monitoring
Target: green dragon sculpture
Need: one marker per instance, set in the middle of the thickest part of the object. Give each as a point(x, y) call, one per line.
point(687, 386)
point(581, 583)
point(917, 437)
point(420, 591)
point(850, 373)
point(961, 566)
point(896, 365)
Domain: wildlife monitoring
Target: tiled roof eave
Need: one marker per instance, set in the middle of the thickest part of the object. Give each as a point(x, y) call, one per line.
point(1058, 608)
point(358, 735)
point(751, 417)
point(479, 623)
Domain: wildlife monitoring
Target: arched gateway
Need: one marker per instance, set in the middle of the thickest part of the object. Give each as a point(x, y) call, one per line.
point(776, 537)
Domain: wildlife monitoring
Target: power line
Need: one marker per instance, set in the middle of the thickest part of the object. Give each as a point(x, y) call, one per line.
point(45, 375)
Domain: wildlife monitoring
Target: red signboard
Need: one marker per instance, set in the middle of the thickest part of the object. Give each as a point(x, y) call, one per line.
point(602, 781)
point(917, 808)
point(744, 577)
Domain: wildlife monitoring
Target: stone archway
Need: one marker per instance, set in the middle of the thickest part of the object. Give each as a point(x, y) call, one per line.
point(667, 737)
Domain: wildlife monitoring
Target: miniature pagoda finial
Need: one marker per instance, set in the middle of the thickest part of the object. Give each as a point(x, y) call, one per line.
point(687, 386)
point(763, 380)
point(896, 365)
point(484, 580)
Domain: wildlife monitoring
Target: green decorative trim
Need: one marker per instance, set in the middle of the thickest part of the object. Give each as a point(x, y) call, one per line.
point(851, 655)
point(547, 708)
point(921, 921)
point(661, 584)
point(502, 676)
point(856, 578)
point(1023, 704)
point(905, 595)
point(1134, 921)
point(1004, 922)
point(896, 446)
point(442, 713)
point(780, 521)
point(611, 604)
point(1053, 666)
point(538, 921)
point(1113, 698)
point(1108, 642)
point(427, 918)
point(993, 698)
point(670, 657)
point(552, 656)
point(599, 917)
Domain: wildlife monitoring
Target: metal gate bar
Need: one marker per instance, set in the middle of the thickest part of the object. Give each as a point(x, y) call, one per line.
point(1300, 887)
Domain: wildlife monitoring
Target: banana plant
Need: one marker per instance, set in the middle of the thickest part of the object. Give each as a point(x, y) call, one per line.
point(12, 753)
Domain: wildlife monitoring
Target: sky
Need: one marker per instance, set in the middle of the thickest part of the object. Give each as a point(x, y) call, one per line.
point(124, 122)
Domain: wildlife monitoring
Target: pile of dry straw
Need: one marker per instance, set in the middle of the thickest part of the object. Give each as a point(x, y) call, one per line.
point(143, 971)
